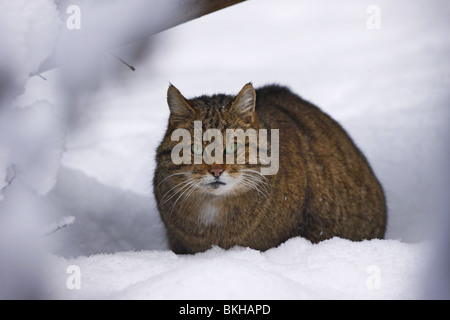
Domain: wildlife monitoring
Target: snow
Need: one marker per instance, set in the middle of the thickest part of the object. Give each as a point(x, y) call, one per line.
point(108, 219)
point(333, 269)
point(28, 33)
point(387, 87)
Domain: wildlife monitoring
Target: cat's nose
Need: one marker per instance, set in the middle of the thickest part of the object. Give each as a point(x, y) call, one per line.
point(216, 172)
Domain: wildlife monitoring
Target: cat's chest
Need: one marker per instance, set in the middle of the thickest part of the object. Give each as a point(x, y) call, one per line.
point(208, 213)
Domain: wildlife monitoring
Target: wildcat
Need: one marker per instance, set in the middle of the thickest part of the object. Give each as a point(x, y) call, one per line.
point(324, 186)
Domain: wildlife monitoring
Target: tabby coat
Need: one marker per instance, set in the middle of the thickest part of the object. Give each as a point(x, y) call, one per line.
point(324, 187)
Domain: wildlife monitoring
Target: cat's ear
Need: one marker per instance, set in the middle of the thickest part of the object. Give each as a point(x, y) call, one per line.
point(180, 110)
point(244, 104)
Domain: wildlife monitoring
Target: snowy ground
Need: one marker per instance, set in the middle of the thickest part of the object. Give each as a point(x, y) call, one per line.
point(334, 269)
point(387, 87)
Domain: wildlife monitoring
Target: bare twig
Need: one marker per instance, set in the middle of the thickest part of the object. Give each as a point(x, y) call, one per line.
point(11, 176)
point(60, 224)
point(121, 60)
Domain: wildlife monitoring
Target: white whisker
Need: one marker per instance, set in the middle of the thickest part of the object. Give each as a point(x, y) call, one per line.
point(188, 187)
point(256, 172)
point(181, 186)
point(258, 180)
point(258, 177)
point(253, 186)
point(175, 174)
point(266, 186)
point(193, 188)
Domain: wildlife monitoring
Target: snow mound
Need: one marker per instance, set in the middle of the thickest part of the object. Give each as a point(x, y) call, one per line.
point(298, 269)
point(28, 31)
point(108, 219)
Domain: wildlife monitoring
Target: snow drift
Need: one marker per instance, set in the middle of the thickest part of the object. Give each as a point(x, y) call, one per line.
point(333, 269)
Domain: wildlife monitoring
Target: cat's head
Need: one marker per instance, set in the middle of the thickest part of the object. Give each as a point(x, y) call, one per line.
point(200, 134)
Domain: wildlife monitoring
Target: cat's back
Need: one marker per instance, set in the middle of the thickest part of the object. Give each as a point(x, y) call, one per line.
point(299, 120)
point(276, 102)
point(339, 179)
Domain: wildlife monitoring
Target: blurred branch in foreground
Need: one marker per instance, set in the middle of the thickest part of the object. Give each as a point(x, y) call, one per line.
point(33, 135)
point(174, 13)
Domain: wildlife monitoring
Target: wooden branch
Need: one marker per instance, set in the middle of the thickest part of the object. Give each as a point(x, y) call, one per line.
point(187, 10)
point(193, 9)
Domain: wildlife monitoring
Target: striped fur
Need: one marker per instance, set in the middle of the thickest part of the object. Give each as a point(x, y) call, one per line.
point(324, 187)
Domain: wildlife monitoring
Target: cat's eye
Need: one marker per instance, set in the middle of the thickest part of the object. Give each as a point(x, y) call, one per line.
point(231, 148)
point(197, 149)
